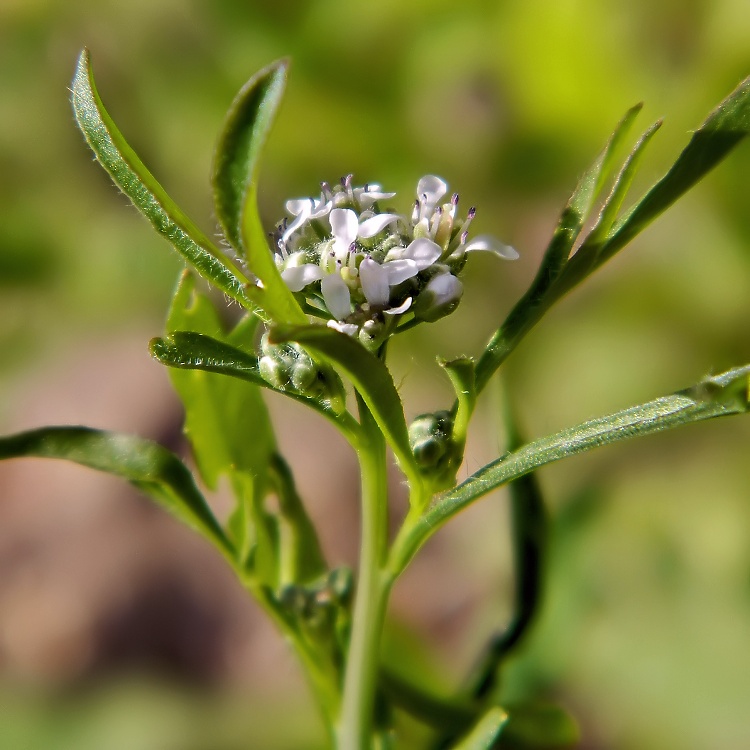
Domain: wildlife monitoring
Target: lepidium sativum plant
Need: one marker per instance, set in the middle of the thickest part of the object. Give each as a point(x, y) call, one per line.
point(343, 272)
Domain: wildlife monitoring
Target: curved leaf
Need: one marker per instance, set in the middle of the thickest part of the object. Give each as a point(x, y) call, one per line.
point(195, 351)
point(530, 308)
point(146, 464)
point(234, 177)
point(147, 195)
point(724, 128)
point(484, 734)
point(718, 396)
point(372, 380)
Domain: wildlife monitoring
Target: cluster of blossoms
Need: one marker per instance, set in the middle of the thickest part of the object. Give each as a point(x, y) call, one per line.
point(367, 270)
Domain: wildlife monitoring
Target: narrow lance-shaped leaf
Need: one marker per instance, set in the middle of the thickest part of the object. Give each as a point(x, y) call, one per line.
point(725, 127)
point(195, 351)
point(530, 308)
point(718, 396)
point(372, 380)
point(613, 204)
point(235, 175)
point(149, 466)
point(579, 206)
point(226, 419)
point(147, 195)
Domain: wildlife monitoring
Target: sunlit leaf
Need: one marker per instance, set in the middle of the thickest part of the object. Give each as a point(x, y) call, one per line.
point(235, 175)
point(147, 195)
point(147, 465)
point(725, 127)
point(718, 396)
point(370, 377)
point(193, 351)
point(226, 419)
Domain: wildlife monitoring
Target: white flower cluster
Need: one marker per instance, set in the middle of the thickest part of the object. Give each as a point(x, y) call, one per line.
point(365, 270)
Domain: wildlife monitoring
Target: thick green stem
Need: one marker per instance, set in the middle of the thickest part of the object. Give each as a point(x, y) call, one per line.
point(373, 587)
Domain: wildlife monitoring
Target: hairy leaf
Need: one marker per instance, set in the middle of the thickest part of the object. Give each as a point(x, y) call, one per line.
point(718, 396)
point(235, 175)
point(147, 195)
point(147, 465)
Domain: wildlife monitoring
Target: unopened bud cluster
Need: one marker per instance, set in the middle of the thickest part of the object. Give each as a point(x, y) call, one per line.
point(366, 270)
point(288, 367)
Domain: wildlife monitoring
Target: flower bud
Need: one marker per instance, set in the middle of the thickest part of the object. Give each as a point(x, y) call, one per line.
point(273, 372)
point(430, 438)
point(439, 298)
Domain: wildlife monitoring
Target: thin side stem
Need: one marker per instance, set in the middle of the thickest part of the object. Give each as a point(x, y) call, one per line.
point(373, 587)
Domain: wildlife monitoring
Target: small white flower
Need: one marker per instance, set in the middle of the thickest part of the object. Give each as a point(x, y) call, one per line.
point(488, 243)
point(369, 267)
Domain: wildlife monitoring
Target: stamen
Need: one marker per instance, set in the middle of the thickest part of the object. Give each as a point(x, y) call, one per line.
point(454, 199)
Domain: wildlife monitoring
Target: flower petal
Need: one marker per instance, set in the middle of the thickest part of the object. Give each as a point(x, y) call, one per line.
point(432, 187)
point(486, 242)
point(423, 251)
point(376, 224)
point(344, 225)
point(372, 195)
point(374, 280)
point(400, 270)
point(298, 277)
point(336, 295)
point(348, 328)
point(402, 308)
point(298, 205)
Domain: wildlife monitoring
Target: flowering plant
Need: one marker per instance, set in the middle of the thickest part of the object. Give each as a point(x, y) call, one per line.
point(343, 274)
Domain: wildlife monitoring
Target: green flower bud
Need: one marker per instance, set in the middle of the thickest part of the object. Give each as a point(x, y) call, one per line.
point(273, 372)
point(439, 298)
point(430, 438)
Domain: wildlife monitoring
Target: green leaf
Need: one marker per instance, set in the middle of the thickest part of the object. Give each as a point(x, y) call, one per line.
point(579, 206)
point(718, 396)
point(725, 127)
point(235, 174)
point(226, 419)
point(147, 465)
point(147, 195)
point(372, 380)
point(485, 732)
point(534, 303)
point(301, 558)
point(187, 350)
point(624, 179)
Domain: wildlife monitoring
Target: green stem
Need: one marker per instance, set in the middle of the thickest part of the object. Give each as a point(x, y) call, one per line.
point(373, 587)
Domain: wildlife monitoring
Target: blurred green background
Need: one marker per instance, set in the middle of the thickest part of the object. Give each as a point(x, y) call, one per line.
point(646, 634)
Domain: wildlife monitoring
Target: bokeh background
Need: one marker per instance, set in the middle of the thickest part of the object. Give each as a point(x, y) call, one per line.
point(120, 630)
